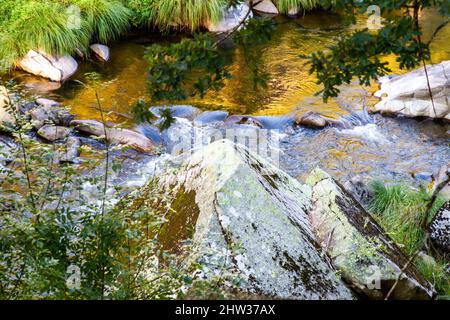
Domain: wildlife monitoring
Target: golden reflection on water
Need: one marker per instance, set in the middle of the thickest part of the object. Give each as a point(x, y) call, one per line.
point(290, 87)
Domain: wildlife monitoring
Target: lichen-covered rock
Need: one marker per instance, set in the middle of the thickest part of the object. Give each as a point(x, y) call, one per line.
point(251, 217)
point(440, 229)
point(231, 18)
point(408, 94)
point(52, 67)
point(366, 257)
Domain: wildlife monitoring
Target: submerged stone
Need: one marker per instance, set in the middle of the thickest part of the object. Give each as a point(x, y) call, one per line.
point(359, 248)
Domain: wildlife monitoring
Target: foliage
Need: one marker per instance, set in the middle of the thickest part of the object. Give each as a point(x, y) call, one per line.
point(44, 25)
point(171, 67)
point(400, 210)
point(68, 232)
point(166, 119)
point(358, 54)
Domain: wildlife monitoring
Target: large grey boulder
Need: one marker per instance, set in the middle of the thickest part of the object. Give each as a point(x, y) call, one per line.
point(248, 216)
point(365, 256)
point(52, 67)
point(440, 229)
point(231, 18)
point(408, 94)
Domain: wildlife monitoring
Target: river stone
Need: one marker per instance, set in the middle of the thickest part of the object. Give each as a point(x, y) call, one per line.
point(440, 229)
point(266, 6)
point(115, 135)
point(5, 116)
point(250, 217)
point(101, 51)
point(53, 133)
point(408, 94)
point(54, 68)
point(70, 150)
point(359, 248)
point(178, 111)
point(247, 120)
point(311, 119)
point(210, 117)
point(231, 18)
point(50, 115)
point(47, 102)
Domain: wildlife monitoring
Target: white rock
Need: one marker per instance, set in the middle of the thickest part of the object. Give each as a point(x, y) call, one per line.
point(266, 6)
point(408, 94)
point(101, 51)
point(231, 18)
point(5, 116)
point(51, 67)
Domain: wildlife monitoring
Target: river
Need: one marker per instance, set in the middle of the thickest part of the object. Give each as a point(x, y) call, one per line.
point(379, 147)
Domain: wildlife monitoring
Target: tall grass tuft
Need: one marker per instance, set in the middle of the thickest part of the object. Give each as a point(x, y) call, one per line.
point(104, 20)
point(182, 14)
point(400, 210)
point(284, 6)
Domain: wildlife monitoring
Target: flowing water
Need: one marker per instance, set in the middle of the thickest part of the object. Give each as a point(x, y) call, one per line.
point(374, 146)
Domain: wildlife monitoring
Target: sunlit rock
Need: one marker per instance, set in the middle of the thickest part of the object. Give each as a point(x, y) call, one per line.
point(266, 6)
point(101, 51)
point(311, 119)
point(231, 18)
point(365, 256)
point(5, 115)
point(409, 95)
point(250, 217)
point(51, 67)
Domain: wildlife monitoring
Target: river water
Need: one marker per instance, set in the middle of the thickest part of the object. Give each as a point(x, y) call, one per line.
point(379, 147)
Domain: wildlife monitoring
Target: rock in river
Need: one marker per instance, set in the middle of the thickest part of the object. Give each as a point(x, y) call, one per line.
point(50, 115)
point(5, 116)
point(409, 95)
point(115, 135)
point(47, 66)
point(311, 119)
point(266, 6)
point(366, 257)
point(101, 51)
point(53, 133)
point(251, 217)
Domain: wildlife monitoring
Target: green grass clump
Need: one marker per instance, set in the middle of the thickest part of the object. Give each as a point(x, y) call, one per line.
point(400, 210)
point(284, 6)
point(181, 14)
point(44, 25)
